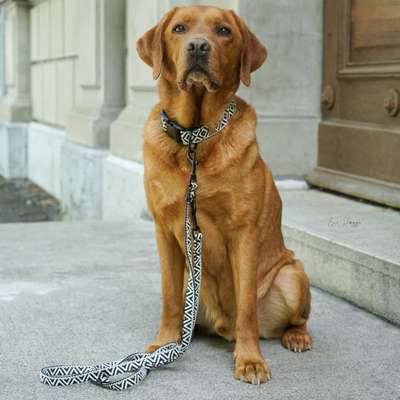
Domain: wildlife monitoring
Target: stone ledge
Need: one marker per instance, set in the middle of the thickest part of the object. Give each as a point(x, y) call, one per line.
point(349, 248)
point(44, 157)
point(13, 150)
point(81, 179)
point(123, 191)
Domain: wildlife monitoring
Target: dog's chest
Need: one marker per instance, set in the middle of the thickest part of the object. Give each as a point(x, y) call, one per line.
point(218, 201)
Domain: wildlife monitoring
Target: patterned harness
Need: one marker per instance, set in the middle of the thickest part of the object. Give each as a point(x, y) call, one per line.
point(129, 371)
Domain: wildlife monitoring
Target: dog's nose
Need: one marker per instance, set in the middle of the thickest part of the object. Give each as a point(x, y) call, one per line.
point(198, 47)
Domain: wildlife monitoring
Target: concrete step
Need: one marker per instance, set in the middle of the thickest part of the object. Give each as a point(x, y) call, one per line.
point(349, 248)
point(90, 292)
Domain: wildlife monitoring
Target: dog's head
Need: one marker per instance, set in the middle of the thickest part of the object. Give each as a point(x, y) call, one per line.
point(202, 46)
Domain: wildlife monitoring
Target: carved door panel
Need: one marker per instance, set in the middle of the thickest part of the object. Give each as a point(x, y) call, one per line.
point(359, 136)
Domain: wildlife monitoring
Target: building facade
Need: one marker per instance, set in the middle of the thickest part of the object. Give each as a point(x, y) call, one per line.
point(75, 95)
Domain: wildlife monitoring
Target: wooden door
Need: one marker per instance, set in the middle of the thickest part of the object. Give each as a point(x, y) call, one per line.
point(359, 136)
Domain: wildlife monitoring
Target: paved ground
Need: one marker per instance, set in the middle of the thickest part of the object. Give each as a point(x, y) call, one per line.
point(23, 201)
point(89, 292)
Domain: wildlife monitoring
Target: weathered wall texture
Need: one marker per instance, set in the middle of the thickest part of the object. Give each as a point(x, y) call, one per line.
point(71, 67)
point(54, 54)
point(285, 91)
point(2, 58)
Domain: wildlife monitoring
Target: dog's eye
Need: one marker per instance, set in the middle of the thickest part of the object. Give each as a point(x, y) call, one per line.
point(179, 28)
point(223, 31)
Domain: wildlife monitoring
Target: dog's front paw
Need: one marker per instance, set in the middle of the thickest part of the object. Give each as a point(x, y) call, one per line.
point(254, 371)
point(156, 345)
point(162, 339)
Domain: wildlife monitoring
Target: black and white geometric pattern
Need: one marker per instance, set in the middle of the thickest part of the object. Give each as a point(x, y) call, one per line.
point(129, 371)
point(197, 135)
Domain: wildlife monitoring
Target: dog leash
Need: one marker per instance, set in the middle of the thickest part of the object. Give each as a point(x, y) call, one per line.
point(131, 370)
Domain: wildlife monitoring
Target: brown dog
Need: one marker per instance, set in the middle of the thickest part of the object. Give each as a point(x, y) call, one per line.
point(252, 286)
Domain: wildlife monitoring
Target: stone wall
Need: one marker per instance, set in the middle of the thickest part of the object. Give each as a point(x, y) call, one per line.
point(2, 58)
point(286, 91)
point(15, 104)
point(77, 95)
point(54, 57)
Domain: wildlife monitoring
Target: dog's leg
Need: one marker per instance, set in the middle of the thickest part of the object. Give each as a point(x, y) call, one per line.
point(295, 287)
point(172, 263)
point(250, 365)
point(285, 309)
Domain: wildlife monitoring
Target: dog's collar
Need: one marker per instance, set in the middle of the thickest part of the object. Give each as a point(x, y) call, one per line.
point(195, 135)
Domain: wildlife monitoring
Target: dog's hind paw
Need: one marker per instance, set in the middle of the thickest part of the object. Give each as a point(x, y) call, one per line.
point(297, 339)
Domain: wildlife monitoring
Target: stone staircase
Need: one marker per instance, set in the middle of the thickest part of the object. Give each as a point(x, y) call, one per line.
point(350, 248)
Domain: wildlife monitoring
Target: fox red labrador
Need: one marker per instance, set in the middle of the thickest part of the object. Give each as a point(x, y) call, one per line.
point(252, 285)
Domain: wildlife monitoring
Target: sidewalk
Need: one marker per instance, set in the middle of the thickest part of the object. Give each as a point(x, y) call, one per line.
point(86, 292)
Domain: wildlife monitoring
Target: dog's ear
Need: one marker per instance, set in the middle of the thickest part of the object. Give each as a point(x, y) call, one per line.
point(253, 52)
point(150, 46)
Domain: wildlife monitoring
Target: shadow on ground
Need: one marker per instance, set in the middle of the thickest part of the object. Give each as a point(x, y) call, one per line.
point(23, 201)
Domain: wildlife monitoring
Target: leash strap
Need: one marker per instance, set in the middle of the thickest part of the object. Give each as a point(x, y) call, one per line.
point(131, 370)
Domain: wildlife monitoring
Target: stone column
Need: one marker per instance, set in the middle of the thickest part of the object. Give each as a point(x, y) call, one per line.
point(101, 91)
point(123, 194)
point(15, 106)
point(286, 90)
point(99, 99)
point(2, 58)
point(141, 90)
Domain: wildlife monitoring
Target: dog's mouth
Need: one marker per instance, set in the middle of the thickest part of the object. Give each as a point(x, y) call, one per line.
point(197, 75)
